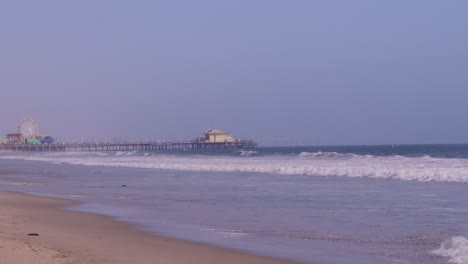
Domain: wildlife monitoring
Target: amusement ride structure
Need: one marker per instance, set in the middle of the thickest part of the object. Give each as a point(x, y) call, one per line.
point(28, 128)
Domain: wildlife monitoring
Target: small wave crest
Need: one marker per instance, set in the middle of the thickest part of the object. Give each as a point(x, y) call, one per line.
point(248, 153)
point(125, 153)
point(455, 248)
point(332, 155)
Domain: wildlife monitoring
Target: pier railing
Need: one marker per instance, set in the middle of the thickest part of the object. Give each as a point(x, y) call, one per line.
point(129, 146)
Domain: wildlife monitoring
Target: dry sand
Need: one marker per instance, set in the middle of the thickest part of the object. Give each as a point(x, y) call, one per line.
point(75, 237)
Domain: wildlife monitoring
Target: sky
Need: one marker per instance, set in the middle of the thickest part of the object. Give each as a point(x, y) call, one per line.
point(300, 72)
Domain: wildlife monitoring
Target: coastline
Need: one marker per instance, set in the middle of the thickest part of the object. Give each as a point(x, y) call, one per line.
point(66, 236)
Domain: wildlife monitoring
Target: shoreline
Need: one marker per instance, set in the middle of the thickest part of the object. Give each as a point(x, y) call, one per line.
point(66, 236)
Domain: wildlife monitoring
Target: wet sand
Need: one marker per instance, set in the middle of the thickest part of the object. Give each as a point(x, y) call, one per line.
point(73, 237)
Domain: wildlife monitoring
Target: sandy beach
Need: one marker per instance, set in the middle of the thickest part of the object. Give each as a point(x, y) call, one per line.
point(37, 230)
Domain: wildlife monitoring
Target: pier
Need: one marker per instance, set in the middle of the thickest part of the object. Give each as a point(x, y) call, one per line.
point(156, 146)
point(27, 138)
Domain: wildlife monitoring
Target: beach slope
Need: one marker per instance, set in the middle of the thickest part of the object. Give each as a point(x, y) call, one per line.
point(36, 230)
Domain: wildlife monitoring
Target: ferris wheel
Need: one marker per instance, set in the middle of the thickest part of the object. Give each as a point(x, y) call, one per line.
point(28, 128)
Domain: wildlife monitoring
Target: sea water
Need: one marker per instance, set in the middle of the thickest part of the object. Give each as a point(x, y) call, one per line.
point(329, 205)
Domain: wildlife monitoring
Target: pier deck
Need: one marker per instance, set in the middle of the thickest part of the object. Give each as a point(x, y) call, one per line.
point(127, 146)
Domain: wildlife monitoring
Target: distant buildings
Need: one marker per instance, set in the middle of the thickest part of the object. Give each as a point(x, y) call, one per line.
point(18, 138)
point(28, 133)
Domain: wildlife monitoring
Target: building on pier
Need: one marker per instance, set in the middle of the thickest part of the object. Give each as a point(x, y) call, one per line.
point(14, 138)
point(218, 136)
point(47, 140)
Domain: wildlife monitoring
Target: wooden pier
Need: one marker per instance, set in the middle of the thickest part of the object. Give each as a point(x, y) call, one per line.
point(158, 146)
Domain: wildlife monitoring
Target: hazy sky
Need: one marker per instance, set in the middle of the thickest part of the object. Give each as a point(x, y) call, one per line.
point(281, 72)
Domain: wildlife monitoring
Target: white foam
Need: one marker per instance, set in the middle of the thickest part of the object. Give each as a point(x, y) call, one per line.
point(311, 163)
point(455, 249)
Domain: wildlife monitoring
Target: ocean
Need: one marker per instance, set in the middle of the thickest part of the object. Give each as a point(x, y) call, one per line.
point(325, 205)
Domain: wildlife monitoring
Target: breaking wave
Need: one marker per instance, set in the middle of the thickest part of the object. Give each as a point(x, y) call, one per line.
point(424, 168)
point(455, 249)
